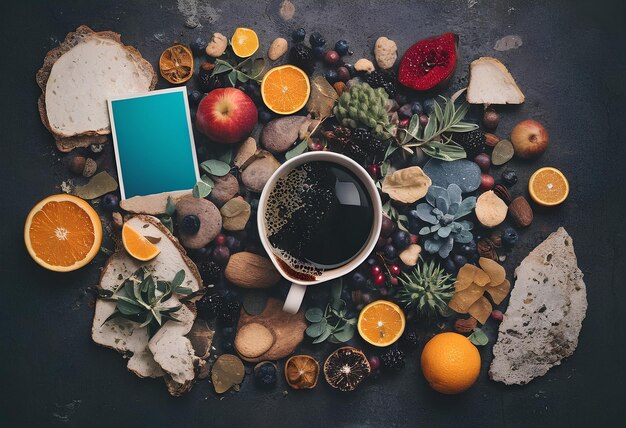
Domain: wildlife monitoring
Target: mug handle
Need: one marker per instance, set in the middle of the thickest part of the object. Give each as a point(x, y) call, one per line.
point(294, 298)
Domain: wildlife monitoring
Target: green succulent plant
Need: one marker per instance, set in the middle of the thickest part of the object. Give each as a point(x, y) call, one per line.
point(427, 289)
point(362, 105)
point(442, 210)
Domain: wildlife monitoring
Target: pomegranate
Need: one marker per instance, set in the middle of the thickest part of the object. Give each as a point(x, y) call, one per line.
point(429, 63)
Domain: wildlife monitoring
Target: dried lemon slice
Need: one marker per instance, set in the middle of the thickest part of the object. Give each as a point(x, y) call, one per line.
point(176, 64)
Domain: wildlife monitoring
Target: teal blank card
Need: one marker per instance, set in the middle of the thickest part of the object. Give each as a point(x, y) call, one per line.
point(154, 145)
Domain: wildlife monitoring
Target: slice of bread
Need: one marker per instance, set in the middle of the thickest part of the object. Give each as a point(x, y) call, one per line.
point(168, 353)
point(491, 83)
point(79, 76)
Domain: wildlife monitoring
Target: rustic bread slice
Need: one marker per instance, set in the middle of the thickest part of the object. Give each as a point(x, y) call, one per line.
point(491, 83)
point(148, 355)
point(545, 313)
point(79, 76)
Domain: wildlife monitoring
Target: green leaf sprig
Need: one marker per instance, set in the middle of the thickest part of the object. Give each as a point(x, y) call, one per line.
point(331, 323)
point(478, 337)
point(241, 72)
point(434, 138)
point(401, 220)
point(143, 299)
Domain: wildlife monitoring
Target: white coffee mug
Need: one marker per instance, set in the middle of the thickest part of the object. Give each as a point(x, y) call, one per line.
point(298, 286)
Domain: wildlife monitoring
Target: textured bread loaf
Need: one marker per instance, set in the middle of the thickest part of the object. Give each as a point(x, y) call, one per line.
point(491, 83)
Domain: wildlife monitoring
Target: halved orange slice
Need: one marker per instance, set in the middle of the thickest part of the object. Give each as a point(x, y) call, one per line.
point(176, 64)
point(285, 89)
point(245, 42)
point(548, 186)
point(137, 245)
point(62, 233)
point(381, 323)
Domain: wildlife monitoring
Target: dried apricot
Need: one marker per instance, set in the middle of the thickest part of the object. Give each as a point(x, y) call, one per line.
point(496, 272)
point(481, 309)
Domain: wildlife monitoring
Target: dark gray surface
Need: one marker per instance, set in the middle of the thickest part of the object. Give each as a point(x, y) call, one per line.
point(571, 68)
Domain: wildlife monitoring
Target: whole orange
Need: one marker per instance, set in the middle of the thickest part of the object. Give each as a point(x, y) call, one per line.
point(450, 363)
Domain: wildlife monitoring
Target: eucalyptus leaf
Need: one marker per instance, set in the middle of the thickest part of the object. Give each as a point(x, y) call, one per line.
point(478, 337)
point(208, 180)
point(232, 77)
point(314, 315)
point(166, 220)
point(215, 167)
point(221, 68)
point(346, 333)
point(170, 206)
point(227, 156)
point(316, 329)
point(201, 190)
point(242, 77)
point(258, 67)
point(335, 289)
point(322, 337)
point(300, 148)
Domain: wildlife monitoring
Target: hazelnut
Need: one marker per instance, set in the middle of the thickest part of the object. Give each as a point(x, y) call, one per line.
point(77, 165)
point(90, 167)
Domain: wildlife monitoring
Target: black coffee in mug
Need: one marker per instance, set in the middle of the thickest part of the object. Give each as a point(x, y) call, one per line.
point(319, 216)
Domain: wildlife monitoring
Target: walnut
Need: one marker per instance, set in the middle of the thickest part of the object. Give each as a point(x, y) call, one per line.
point(465, 325)
point(486, 249)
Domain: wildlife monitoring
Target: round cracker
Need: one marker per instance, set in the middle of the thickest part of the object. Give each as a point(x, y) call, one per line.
point(253, 340)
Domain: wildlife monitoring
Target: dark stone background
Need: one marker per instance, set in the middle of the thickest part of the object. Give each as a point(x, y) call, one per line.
point(571, 68)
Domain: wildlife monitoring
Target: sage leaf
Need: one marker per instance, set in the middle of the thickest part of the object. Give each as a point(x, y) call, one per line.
point(446, 152)
point(478, 337)
point(314, 315)
point(300, 148)
point(178, 279)
point(215, 167)
point(232, 77)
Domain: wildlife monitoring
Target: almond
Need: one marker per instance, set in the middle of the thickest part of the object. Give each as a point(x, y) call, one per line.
point(249, 270)
point(520, 211)
point(465, 325)
point(491, 139)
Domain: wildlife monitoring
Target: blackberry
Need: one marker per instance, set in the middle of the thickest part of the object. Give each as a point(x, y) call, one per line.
point(393, 359)
point(410, 339)
point(210, 306)
point(302, 56)
point(380, 79)
point(206, 82)
point(473, 142)
point(356, 153)
point(265, 374)
point(230, 311)
point(210, 272)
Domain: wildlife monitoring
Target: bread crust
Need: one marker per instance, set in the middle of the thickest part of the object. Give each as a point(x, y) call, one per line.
point(66, 143)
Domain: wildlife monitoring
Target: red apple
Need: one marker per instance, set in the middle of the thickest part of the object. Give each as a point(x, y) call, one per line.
point(226, 115)
point(530, 139)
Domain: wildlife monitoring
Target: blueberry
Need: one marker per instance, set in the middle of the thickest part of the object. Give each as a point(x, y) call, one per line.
point(401, 99)
point(415, 225)
point(346, 295)
point(390, 252)
point(195, 97)
point(228, 332)
point(428, 106)
point(221, 254)
point(416, 107)
point(401, 239)
point(358, 279)
point(233, 244)
point(405, 110)
point(342, 47)
point(190, 225)
point(111, 202)
point(509, 178)
point(459, 260)
point(371, 261)
point(198, 46)
point(265, 374)
point(468, 249)
point(264, 115)
point(509, 237)
point(449, 266)
point(298, 35)
point(316, 39)
point(228, 347)
point(331, 76)
point(318, 51)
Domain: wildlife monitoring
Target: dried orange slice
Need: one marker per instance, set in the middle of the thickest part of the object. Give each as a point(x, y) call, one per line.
point(301, 372)
point(176, 64)
point(245, 42)
point(381, 323)
point(285, 89)
point(548, 186)
point(63, 233)
point(137, 245)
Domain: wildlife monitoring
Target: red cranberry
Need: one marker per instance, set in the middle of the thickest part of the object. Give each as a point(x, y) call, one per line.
point(486, 182)
point(483, 161)
point(394, 270)
point(220, 239)
point(374, 362)
point(414, 239)
point(331, 57)
point(423, 120)
point(375, 270)
point(497, 315)
point(316, 146)
point(404, 123)
point(394, 281)
point(373, 170)
point(379, 279)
